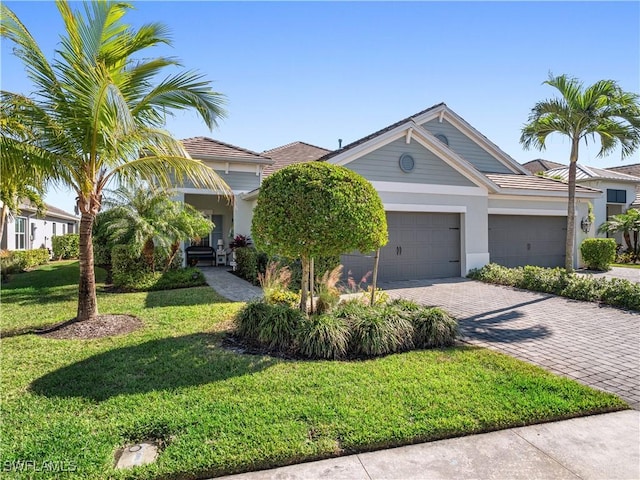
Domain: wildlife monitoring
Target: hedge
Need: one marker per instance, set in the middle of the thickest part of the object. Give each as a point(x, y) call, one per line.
point(30, 258)
point(615, 292)
point(66, 246)
point(598, 253)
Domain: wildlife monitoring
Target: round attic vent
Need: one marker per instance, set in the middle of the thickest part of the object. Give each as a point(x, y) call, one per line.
point(406, 163)
point(442, 138)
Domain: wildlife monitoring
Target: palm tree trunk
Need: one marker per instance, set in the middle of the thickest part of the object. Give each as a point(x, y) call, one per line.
point(3, 219)
point(87, 301)
point(148, 254)
point(571, 207)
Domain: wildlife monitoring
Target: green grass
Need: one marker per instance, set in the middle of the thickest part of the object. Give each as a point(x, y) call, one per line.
point(77, 401)
point(625, 265)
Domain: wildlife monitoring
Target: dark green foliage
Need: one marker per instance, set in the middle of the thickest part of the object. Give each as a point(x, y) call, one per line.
point(279, 328)
point(10, 265)
point(616, 292)
point(247, 263)
point(379, 331)
point(66, 246)
point(598, 253)
point(323, 336)
point(248, 320)
point(317, 209)
point(433, 327)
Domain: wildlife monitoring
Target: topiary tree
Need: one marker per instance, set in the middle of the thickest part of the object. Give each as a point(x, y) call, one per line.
point(308, 210)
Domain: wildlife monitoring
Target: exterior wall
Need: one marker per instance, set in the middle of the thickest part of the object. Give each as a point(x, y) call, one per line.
point(38, 231)
point(242, 215)
point(527, 206)
point(237, 181)
point(466, 148)
point(600, 203)
point(383, 165)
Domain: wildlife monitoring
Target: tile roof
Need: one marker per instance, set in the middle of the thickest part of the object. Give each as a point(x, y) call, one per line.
point(591, 173)
point(533, 182)
point(636, 202)
point(205, 146)
point(541, 165)
point(295, 152)
point(633, 169)
point(378, 133)
point(49, 210)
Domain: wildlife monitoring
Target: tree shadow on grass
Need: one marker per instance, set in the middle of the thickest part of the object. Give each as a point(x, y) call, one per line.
point(163, 364)
point(183, 297)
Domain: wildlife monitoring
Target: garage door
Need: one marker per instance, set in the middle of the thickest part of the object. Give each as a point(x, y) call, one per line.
point(421, 245)
point(527, 240)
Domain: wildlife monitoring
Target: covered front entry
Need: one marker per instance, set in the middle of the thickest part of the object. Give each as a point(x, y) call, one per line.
point(421, 245)
point(518, 240)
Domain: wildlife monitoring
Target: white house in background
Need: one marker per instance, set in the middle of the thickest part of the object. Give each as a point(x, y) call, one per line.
point(27, 231)
point(454, 200)
point(619, 191)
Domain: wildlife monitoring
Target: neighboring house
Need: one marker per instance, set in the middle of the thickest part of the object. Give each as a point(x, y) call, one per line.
point(540, 165)
point(620, 191)
point(454, 200)
point(634, 170)
point(27, 231)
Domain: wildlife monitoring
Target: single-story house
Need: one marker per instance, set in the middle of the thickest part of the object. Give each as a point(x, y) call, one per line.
point(454, 200)
point(619, 191)
point(28, 231)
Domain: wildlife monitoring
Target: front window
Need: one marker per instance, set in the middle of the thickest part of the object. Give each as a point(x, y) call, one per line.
point(616, 196)
point(21, 228)
point(53, 231)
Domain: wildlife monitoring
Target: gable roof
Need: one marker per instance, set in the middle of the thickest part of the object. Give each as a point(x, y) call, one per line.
point(541, 165)
point(439, 111)
point(208, 148)
point(534, 182)
point(633, 169)
point(295, 152)
point(592, 173)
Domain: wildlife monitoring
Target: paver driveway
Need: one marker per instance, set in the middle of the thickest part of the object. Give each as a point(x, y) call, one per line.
point(598, 346)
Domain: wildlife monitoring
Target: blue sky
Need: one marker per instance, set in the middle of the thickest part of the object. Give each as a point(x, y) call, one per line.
point(319, 71)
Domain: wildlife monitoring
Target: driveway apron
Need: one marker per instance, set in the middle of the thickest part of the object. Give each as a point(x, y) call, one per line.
point(595, 345)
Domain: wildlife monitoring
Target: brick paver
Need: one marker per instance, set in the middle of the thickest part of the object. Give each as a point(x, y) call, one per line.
point(596, 345)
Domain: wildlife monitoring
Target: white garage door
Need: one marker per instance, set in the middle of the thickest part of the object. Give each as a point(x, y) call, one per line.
point(421, 245)
point(527, 240)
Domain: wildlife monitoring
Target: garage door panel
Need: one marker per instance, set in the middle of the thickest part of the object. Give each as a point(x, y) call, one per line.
point(527, 240)
point(421, 245)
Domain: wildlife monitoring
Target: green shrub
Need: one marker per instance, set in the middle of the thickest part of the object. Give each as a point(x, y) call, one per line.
point(323, 336)
point(548, 280)
point(405, 305)
point(621, 293)
point(581, 287)
point(248, 320)
point(145, 281)
point(25, 259)
point(497, 274)
point(282, 297)
point(66, 246)
point(127, 265)
point(433, 327)
point(278, 329)
point(11, 264)
point(247, 264)
point(598, 253)
point(379, 330)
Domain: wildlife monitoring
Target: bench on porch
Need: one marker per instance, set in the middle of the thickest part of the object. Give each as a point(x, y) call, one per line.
point(200, 253)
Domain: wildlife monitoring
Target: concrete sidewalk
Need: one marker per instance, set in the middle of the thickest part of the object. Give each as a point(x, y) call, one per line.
point(598, 447)
point(229, 285)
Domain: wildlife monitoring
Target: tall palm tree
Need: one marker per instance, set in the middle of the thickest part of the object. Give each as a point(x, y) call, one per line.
point(99, 112)
point(600, 111)
point(147, 217)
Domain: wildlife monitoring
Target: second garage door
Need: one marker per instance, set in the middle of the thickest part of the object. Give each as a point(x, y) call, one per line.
point(527, 240)
point(421, 245)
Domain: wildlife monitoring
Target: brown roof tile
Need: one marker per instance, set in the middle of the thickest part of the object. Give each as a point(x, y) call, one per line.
point(208, 147)
point(295, 152)
point(533, 182)
point(633, 169)
point(541, 165)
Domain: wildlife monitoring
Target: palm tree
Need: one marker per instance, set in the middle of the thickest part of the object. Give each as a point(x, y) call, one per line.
point(99, 113)
point(146, 217)
point(600, 111)
point(628, 223)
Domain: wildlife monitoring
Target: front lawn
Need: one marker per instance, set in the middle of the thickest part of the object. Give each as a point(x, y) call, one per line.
point(625, 265)
point(217, 411)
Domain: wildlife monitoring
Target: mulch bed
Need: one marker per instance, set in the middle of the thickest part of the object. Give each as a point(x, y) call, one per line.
point(100, 327)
